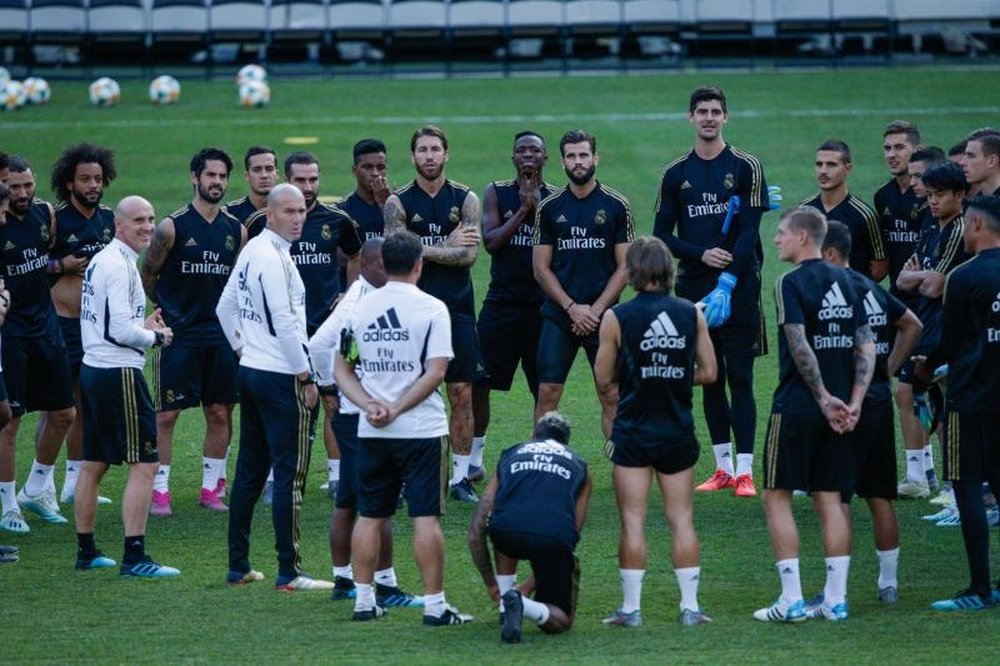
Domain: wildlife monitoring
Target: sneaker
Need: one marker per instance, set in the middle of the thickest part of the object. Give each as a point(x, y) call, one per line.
point(331, 489)
point(267, 497)
point(888, 595)
point(13, 521)
point(325, 486)
point(370, 614)
point(301, 583)
point(944, 498)
point(448, 617)
point(70, 498)
point(477, 473)
point(513, 605)
point(343, 588)
point(692, 618)
point(463, 492)
point(235, 578)
point(966, 600)
point(993, 516)
point(393, 597)
point(44, 505)
point(718, 481)
point(147, 568)
point(781, 611)
point(814, 603)
point(835, 613)
point(622, 619)
point(932, 480)
point(96, 561)
point(912, 490)
point(946, 512)
point(221, 488)
point(744, 486)
point(210, 500)
point(160, 506)
point(952, 520)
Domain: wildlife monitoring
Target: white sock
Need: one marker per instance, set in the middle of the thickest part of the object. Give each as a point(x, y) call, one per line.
point(631, 589)
point(791, 587)
point(434, 604)
point(835, 590)
point(35, 484)
point(478, 447)
point(744, 464)
point(724, 457)
point(50, 481)
point(535, 611)
point(364, 598)
point(928, 458)
point(344, 572)
point(72, 474)
point(386, 577)
point(888, 565)
point(915, 466)
point(8, 497)
point(211, 470)
point(459, 468)
point(504, 583)
point(687, 578)
point(161, 482)
point(270, 475)
point(333, 469)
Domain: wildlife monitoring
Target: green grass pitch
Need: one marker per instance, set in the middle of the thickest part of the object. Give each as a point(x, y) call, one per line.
point(51, 613)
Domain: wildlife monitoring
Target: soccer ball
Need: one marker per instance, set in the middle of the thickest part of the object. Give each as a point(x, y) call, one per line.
point(37, 90)
point(105, 91)
point(251, 73)
point(4, 77)
point(164, 90)
point(12, 96)
point(254, 94)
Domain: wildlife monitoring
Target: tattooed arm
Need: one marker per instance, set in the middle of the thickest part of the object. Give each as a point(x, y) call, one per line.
point(462, 245)
point(864, 368)
point(394, 215)
point(478, 547)
point(156, 255)
point(833, 408)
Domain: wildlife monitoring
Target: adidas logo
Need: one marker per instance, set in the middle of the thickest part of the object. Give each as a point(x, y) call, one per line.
point(886, 211)
point(561, 219)
point(72, 239)
point(416, 218)
point(508, 215)
point(190, 243)
point(835, 305)
point(386, 329)
point(9, 246)
point(787, 570)
point(662, 334)
point(685, 185)
point(876, 315)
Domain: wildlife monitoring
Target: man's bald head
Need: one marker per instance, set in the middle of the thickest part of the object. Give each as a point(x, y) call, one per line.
point(286, 211)
point(126, 206)
point(279, 193)
point(134, 222)
point(372, 268)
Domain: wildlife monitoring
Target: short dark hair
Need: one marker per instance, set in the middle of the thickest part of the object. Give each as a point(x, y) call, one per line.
point(18, 164)
point(837, 146)
point(428, 130)
point(838, 237)
point(554, 426)
point(367, 147)
point(977, 134)
point(707, 94)
point(401, 250)
point(299, 157)
point(64, 170)
point(986, 205)
point(521, 135)
point(911, 131)
point(930, 154)
point(649, 264)
point(945, 176)
point(958, 148)
point(990, 143)
point(577, 136)
point(205, 154)
point(808, 219)
point(253, 151)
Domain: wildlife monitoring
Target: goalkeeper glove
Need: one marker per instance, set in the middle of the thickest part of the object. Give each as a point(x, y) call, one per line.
point(774, 197)
point(718, 301)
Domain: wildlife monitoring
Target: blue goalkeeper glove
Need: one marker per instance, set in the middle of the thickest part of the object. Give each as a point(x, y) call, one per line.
point(774, 197)
point(718, 301)
point(940, 374)
point(924, 409)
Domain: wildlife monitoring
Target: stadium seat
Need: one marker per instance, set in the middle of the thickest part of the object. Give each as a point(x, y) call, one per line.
point(415, 30)
point(867, 20)
point(802, 28)
point(654, 25)
point(243, 22)
point(58, 23)
point(356, 26)
point(13, 29)
point(723, 27)
point(955, 22)
point(476, 28)
point(593, 27)
point(535, 28)
point(116, 30)
point(178, 29)
point(294, 23)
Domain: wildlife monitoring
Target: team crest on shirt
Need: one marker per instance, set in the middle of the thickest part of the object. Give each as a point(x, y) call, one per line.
point(914, 211)
point(148, 448)
point(601, 217)
point(728, 181)
point(325, 232)
point(44, 232)
point(455, 215)
point(169, 395)
point(230, 243)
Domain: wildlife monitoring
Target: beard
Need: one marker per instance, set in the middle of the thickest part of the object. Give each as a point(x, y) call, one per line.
point(87, 201)
point(432, 173)
point(209, 195)
point(585, 178)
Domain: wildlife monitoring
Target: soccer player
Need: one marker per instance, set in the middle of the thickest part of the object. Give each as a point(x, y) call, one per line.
point(956, 153)
point(184, 273)
point(118, 420)
point(261, 171)
point(262, 312)
point(83, 227)
point(970, 345)
point(400, 340)
point(721, 268)
point(445, 215)
point(36, 365)
point(982, 162)
point(827, 356)
point(833, 167)
point(938, 252)
point(656, 348)
point(896, 203)
point(7, 553)
point(509, 322)
point(366, 203)
point(582, 233)
point(896, 330)
point(533, 509)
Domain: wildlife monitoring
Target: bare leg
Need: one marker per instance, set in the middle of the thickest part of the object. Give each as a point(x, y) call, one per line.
point(8, 439)
point(460, 423)
point(85, 505)
point(135, 503)
point(548, 398)
point(218, 430)
point(51, 437)
point(428, 551)
point(165, 422)
point(781, 523)
point(364, 548)
point(678, 503)
point(632, 491)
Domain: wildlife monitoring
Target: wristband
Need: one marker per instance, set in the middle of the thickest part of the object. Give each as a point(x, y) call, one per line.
point(571, 304)
point(159, 339)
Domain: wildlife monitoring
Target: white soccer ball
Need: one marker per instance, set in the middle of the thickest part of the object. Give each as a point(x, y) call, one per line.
point(164, 90)
point(251, 73)
point(105, 91)
point(254, 94)
point(37, 90)
point(12, 97)
point(4, 77)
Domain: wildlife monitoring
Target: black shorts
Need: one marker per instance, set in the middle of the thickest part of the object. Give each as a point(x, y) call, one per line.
point(37, 374)
point(557, 348)
point(193, 376)
point(345, 429)
point(972, 447)
point(467, 366)
point(508, 335)
point(70, 327)
point(119, 425)
point(665, 457)
point(875, 452)
point(383, 465)
point(801, 452)
point(556, 568)
point(745, 328)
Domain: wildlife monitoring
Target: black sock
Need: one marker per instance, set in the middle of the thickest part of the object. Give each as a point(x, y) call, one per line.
point(135, 548)
point(975, 533)
point(85, 544)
